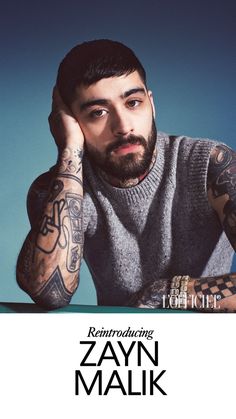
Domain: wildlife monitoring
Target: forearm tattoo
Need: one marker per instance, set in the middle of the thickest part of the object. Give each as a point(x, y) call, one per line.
point(220, 287)
point(50, 228)
point(74, 205)
point(70, 176)
point(63, 227)
point(222, 181)
point(56, 188)
point(70, 164)
point(24, 264)
point(56, 241)
point(151, 294)
point(53, 294)
point(71, 161)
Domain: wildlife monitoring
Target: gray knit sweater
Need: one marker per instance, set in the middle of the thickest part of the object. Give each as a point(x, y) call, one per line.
point(162, 227)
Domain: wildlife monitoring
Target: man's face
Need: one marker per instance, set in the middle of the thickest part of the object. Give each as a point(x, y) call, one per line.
point(116, 116)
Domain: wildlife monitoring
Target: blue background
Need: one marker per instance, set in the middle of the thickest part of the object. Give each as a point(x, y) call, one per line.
point(187, 48)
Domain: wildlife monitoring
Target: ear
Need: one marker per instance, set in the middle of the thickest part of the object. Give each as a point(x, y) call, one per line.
point(152, 102)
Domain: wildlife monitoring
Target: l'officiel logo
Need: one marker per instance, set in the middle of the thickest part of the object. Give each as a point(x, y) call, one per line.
point(191, 302)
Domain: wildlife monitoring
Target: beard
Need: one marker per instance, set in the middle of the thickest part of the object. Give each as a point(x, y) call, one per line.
point(129, 166)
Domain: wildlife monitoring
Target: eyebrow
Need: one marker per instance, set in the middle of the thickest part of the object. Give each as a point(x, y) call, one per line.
point(93, 102)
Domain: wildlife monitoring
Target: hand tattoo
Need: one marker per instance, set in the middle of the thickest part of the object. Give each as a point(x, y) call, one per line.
point(151, 294)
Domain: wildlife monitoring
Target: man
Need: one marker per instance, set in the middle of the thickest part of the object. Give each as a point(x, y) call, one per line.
point(150, 213)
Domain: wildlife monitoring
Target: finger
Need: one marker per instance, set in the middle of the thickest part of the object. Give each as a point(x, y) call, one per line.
point(56, 214)
point(55, 94)
point(61, 205)
point(43, 227)
point(57, 101)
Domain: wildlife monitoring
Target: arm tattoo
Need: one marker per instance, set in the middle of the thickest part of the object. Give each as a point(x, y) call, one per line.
point(222, 172)
point(24, 264)
point(51, 226)
point(71, 164)
point(56, 188)
point(222, 181)
point(222, 286)
point(151, 295)
point(74, 205)
point(71, 161)
point(229, 222)
point(56, 238)
point(70, 176)
point(53, 294)
point(64, 227)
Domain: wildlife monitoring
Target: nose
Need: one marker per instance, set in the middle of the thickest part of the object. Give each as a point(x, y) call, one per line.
point(121, 124)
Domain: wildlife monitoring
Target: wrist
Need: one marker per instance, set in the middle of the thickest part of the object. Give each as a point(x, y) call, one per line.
point(73, 142)
point(72, 148)
point(179, 292)
point(152, 294)
point(70, 160)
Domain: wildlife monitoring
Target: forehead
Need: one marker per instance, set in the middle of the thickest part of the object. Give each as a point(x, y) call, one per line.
point(109, 88)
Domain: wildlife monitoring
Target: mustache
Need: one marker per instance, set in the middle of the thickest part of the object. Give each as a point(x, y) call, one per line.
point(132, 139)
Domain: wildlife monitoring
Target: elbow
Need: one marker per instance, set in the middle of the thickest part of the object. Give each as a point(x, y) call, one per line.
point(21, 279)
point(52, 295)
point(51, 302)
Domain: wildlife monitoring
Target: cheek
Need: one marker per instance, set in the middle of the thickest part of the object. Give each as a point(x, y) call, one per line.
point(96, 135)
point(94, 131)
point(94, 139)
point(144, 123)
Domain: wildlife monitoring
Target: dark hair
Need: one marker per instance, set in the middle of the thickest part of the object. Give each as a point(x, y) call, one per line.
point(92, 61)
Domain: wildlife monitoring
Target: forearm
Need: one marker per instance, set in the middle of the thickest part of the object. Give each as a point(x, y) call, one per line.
point(49, 262)
point(214, 294)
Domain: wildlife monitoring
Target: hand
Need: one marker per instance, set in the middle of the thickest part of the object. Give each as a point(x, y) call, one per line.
point(63, 125)
point(151, 295)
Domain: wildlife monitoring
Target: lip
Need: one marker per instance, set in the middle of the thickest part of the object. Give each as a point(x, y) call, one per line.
point(127, 148)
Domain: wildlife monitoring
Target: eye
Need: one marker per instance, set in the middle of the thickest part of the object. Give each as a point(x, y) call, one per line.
point(97, 113)
point(134, 103)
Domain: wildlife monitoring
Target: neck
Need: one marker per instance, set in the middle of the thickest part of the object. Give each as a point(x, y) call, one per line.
point(128, 183)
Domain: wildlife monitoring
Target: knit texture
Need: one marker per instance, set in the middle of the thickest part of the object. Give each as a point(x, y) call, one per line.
point(162, 227)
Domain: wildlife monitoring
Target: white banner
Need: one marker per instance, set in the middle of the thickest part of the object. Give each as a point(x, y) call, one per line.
point(193, 363)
